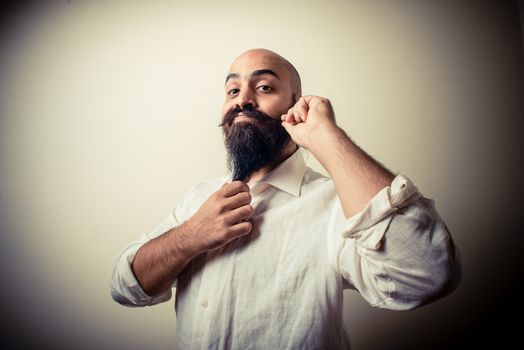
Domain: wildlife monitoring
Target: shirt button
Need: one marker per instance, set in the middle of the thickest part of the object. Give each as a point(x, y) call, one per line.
point(204, 304)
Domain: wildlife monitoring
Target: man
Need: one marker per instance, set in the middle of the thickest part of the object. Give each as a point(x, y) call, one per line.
point(260, 259)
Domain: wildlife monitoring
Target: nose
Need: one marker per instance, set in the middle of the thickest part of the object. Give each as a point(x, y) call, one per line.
point(245, 97)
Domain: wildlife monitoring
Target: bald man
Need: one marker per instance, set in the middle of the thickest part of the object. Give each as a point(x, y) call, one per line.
point(260, 258)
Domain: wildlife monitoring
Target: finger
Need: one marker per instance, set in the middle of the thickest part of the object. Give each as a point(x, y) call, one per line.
point(242, 228)
point(302, 109)
point(290, 117)
point(297, 119)
point(238, 200)
point(233, 188)
point(239, 214)
point(307, 99)
point(298, 111)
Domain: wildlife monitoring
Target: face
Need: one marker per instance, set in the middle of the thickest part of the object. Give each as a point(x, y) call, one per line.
point(258, 90)
point(261, 79)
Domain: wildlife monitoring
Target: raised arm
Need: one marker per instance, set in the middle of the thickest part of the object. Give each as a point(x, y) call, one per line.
point(357, 176)
point(395, 249)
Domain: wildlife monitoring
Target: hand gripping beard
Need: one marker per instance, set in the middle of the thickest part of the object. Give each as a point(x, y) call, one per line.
point(252, 144)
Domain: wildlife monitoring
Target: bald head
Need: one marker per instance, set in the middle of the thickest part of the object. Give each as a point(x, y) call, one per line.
point(263, 80)
point(269, 60)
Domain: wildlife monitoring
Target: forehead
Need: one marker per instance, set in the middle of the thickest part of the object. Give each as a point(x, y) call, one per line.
point(248, 63)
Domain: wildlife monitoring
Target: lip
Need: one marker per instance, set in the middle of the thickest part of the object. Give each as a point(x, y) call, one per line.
point(241, 117)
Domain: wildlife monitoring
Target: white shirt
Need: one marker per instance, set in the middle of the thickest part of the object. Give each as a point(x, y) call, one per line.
point(281, 286)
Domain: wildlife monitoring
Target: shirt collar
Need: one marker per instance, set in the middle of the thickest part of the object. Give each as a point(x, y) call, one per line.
point(287, 176)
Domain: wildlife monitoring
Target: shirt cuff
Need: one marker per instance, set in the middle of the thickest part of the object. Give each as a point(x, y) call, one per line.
point(378, 213)
point(131, 292)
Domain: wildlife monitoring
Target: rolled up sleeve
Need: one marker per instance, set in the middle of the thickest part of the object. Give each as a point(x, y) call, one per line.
point(397, 252)
point(125, 288)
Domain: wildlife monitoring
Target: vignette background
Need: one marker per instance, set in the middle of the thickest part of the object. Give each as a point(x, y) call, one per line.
point(109, 113)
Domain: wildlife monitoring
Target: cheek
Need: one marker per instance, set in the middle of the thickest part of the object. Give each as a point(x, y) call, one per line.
point(277, 107)
point(226, 107)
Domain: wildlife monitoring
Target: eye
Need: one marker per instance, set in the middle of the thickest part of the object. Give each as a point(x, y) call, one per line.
point(264, 88)
point(233, 92)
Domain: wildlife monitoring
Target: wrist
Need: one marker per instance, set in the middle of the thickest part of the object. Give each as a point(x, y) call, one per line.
point(183, 241)
point(323, 137)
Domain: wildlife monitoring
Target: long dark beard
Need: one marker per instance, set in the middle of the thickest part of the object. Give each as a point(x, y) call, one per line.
point(252, 144)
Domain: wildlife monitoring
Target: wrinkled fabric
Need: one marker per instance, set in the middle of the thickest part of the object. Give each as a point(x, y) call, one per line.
point(281, 286)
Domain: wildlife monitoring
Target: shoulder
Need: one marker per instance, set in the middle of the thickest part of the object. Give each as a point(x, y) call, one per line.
point(202, 189)
point(195, 197)
point(315, 181)
point(206, 187)
point(314, 177)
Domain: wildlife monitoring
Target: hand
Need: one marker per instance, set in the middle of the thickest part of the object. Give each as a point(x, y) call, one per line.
point(307, 117)
point(223, 217)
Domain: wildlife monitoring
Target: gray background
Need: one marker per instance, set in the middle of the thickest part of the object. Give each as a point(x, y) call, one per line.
point(108, 114)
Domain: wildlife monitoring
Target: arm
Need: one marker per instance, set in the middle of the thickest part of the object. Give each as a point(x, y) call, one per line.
point(223, 217)
point(394, 248)
point(398, 252)
point(357, 176)
point(158, 263)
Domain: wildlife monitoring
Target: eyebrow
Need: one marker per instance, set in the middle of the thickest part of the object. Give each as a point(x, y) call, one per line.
point(253, 74)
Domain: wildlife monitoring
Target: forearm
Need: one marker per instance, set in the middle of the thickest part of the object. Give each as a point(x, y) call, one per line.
point(158, 263)
point(357, 176)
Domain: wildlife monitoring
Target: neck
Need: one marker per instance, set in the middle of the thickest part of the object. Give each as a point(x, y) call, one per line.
point(285, 154)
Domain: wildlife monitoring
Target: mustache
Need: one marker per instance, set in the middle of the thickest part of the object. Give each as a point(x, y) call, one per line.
point(249, 111)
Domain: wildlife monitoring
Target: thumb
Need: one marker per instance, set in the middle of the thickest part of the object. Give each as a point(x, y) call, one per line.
point(288, 126)
point(296, 131)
